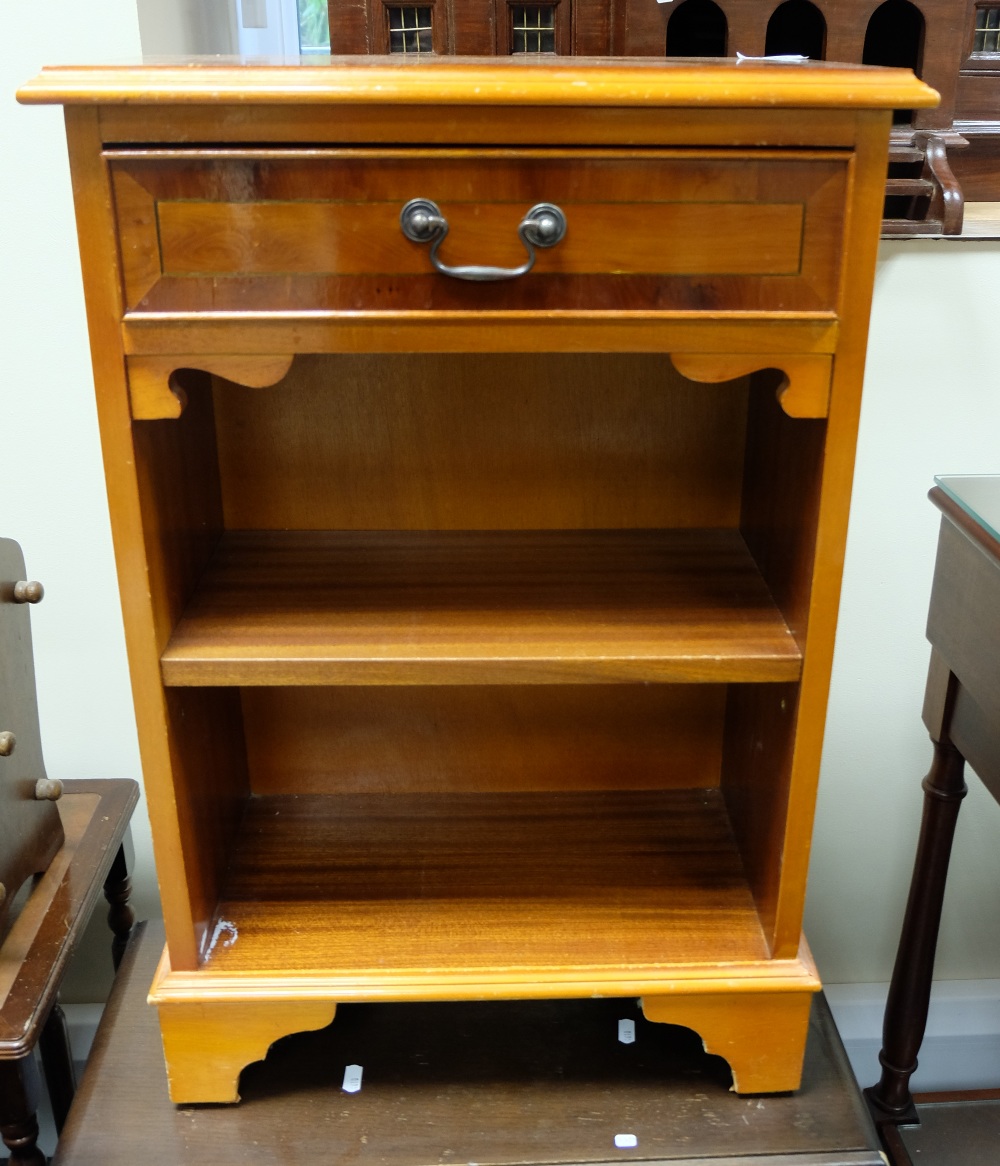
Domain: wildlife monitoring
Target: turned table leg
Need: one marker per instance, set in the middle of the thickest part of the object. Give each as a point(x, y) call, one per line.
point(57, 1064)
point(117, 889)
point(910, 988)
point(20, 1090)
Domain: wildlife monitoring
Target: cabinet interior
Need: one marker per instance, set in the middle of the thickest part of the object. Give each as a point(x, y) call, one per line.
point(507, 645)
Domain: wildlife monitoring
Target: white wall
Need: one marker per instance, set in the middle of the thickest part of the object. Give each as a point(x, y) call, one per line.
point(932, 405)
point(52, 497)
point(187, 27)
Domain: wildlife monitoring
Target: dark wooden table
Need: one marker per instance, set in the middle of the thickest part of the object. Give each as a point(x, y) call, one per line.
point(525, 1082)
point(962, 715)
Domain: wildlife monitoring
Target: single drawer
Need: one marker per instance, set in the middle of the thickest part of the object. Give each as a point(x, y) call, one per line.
point(221, 231)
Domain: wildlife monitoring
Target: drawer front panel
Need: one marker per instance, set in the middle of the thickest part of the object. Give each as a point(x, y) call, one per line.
point(221, 231)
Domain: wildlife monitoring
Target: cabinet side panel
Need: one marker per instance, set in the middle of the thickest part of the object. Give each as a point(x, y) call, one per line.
point(145, 628)
point(477, 442)
point(756, 776)
point(208, 759)
point(783, 470)
point(483, 739)
point(865, 207)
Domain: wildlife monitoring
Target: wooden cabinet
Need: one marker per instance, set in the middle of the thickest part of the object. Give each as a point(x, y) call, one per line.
point(480, 632)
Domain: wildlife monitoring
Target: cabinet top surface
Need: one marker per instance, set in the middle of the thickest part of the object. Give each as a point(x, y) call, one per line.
point(484, 81)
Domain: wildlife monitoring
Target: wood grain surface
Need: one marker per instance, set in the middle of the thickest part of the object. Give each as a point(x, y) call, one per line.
point(399, 607)
point(213, 229)
point(552, 516)
point(602, 83)
point(483, 738)
point(480, 441)
point(370, 887)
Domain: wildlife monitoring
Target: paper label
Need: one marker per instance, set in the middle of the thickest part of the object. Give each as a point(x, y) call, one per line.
point(352, 1079)
point(626, 1141)
point(626, 1031)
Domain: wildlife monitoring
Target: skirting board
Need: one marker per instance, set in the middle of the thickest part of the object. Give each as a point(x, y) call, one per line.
point(961, 1048)
point(960, 1051)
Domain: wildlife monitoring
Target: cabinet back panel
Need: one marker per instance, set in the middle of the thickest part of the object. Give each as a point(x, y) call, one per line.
point(481, 442)
point(483, 739)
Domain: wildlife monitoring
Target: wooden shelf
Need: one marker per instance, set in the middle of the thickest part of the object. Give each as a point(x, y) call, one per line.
point(380, 890)
point(403, 607)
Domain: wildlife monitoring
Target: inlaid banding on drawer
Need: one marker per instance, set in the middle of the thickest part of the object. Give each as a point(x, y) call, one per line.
point(318, 230)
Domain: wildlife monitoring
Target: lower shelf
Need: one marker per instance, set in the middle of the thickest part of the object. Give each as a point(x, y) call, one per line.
point(388, 896)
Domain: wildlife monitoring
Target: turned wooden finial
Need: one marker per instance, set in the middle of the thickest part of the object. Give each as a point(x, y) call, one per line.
point(48, 789)
point(28, 591)
point(7, 743)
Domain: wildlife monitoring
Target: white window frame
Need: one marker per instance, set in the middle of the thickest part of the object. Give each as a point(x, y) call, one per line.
point(280, 37)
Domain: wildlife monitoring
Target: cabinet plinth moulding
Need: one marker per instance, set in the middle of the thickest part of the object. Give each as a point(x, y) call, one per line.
point(481, 650)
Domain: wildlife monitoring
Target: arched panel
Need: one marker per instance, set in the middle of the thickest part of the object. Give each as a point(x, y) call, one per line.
point(797, 26)
point(698, 28)
point(895, 37)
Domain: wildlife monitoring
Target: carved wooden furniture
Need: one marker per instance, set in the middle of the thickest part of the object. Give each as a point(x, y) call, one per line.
point(511, 1090)
point(72, 848)
point(480, 628)
point(962, 714)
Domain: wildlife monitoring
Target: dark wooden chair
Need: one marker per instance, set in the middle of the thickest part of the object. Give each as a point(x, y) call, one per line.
point(59, 844)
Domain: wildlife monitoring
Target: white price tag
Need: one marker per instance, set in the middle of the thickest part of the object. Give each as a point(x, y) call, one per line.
point(352, 1079)
point(626, 1032)
point(626, 1141)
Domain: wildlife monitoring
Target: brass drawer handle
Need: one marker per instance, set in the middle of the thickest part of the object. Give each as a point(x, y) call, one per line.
point(422, 222)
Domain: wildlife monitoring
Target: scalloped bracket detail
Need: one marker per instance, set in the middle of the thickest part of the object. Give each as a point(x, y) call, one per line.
point(158, 385)
point(804, 389)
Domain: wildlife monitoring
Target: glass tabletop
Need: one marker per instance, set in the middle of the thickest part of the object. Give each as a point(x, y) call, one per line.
point(978, 495)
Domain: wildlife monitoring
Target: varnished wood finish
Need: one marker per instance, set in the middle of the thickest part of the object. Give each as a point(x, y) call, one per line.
point(810, 575)
point(593, 84)
point(758, 232)
point(41, 940)
point(458, 332)
point(455, 608)
point(510, 1091)
point(966, 584)
point(147, 623)
point(244, 1032)
point(910, 989)
point(470, 442)
point(804, 390)
point(764, 1049)
point(483, 738)
point(961, 706)
point(383, 889)
point(503, 497)
point(156, 386)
